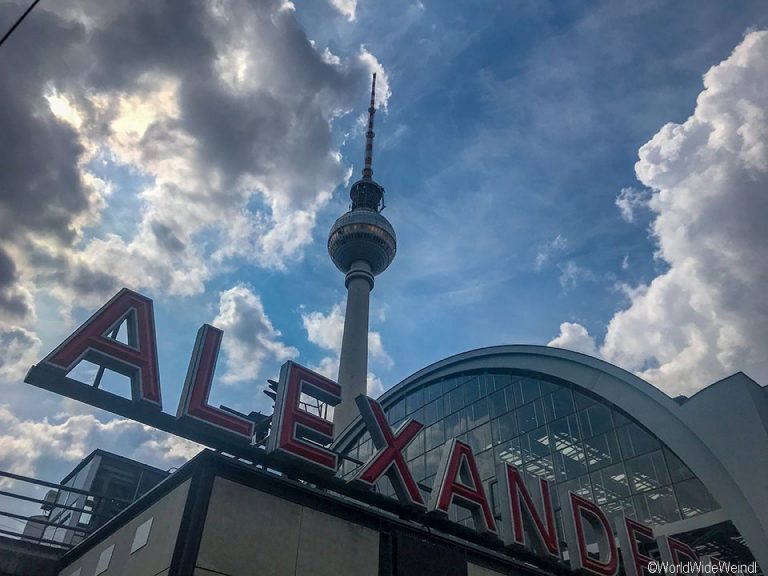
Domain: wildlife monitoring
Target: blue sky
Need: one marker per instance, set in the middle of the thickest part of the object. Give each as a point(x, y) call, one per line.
point(539, 192)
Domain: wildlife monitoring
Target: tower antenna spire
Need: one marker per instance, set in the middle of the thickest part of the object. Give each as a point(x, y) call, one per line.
point(368, 169)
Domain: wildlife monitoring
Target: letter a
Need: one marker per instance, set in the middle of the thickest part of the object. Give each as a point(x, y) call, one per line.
point(137, 360)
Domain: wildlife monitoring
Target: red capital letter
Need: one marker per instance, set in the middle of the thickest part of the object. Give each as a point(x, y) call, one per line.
point(676, 552)
point(580, 510)
point(197, 387)
point(389, 458)
point(292, 426)
point(521, 516)
point(458, 482)
point(137, 360)
point(629, 532)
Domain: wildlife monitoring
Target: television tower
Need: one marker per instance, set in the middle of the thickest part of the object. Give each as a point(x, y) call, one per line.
point(362, 244)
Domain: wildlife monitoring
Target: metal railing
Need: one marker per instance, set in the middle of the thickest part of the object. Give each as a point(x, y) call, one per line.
point(68, 530)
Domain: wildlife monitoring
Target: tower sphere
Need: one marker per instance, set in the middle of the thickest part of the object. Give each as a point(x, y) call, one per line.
point(362, 234)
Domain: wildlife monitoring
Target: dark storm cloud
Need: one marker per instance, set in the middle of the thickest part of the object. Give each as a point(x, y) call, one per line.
point(166, 238)
point(284, 119)
point(11, 302)
point(40, 186)
point(271, 123)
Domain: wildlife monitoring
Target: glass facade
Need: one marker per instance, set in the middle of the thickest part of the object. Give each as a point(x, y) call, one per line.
point(546, 429)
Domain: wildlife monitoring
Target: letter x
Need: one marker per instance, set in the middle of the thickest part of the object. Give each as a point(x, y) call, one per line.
point(389, 458)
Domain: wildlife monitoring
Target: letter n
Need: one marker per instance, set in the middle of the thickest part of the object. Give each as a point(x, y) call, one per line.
point(523, 525)
point(576, 512)
point(458, 482)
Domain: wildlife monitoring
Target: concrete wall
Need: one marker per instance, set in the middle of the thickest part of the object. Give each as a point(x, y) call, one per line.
point(19, 558)
point(250, 532)
point(154, 558)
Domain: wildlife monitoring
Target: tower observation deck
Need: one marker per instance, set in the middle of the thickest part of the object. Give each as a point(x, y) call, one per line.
point(362, 244)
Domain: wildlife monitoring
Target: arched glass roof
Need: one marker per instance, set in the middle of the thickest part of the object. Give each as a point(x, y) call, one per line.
point(546, 427)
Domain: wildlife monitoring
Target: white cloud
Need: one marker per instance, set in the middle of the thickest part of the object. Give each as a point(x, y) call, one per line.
point(326, 331)
point(548, 250)
point(571, 274)
point(347, 8)
point(575, 337)
point(629, 200)
point(707, 315)
point(211, 125)
point(20, 349)
point(249, 337)
point(26, 446)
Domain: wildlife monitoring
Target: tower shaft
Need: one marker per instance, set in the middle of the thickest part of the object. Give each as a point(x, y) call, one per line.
point(353, 362)
point(362, 244)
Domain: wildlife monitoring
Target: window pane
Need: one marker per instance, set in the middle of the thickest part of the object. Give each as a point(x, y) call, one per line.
point(452, 425)
point(565, 433)
point(694, 498)
point(617, 507)
point(417, 468)
point(465, 418)
point(548, 387)
point(610, 484)
point(498, 404)
point(529, 389)
point(511, 393)
point(658, 507)
point(647, 472)
point(504, 427)
point(485, 464)
point(416, 447)
point(479, 413)
point(517, 394)
point(501, 381)
point(396, 412)
point(530, 416)
point(535, 445)
point(435, 436)
point(635, 441)
point(414, 401)
point(602, 450)
point(558, 404)
point(471, 391)
point(677, 470)
point(456, 400)
point(480, 438)
point(510, 453)
point(432, 412)
point(569, 463)
point(433, 460)
point(595, 420)
point(450, 384)
point(582, 400)
point(579, 486)
point(432, 392)
point(541, 468)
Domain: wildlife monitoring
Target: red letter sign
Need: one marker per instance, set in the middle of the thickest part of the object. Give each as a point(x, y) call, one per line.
point(580, 510)
point(136, 360)
point(676, 553)
point(389, 458)
point(197, 387)
point(458, 482)
point(629, 531)
point(521, 516)
point(292, 426)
